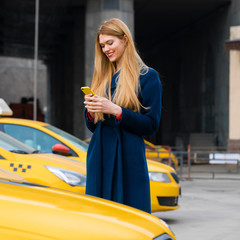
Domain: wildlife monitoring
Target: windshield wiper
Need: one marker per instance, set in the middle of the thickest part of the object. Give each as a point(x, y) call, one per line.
point(19, 151)
point(35, 151)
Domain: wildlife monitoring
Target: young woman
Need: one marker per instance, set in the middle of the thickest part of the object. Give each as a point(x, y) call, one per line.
point(126, 106)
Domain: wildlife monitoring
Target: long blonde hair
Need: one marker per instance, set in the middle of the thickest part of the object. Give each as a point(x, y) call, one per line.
point(126, 94)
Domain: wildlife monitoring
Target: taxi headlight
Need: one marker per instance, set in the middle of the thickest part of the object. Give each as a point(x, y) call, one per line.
point(168, 237)
point(70, 177)
point(164, 223)
point(163, 237)
point(159, 177)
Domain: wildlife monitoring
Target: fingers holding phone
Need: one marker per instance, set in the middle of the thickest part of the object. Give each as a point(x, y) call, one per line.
point(92, 103)
point(97, 104)
point(88, 99)
point(102, 105)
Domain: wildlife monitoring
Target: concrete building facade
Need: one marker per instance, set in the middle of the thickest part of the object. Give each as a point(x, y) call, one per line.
point(234, 90)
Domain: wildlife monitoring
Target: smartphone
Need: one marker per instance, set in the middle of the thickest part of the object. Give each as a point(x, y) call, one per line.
point(87, 90)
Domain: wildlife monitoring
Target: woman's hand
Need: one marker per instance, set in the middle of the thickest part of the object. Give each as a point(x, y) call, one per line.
point(86, 102)
point(97, 104)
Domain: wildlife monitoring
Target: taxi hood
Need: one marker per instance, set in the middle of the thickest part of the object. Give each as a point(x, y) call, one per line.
point(54, 212)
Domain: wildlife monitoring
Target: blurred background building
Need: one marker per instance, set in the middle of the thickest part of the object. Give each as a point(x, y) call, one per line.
point(194, 45)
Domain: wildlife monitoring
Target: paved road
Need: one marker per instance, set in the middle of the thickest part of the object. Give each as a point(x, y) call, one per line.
point(209, 210)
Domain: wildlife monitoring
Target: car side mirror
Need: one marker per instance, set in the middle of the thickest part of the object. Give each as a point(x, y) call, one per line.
point(61, 150)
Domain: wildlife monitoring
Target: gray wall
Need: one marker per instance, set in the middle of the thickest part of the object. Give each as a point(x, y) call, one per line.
point(16, 80)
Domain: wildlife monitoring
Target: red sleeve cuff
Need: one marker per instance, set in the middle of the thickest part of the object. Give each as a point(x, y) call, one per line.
point(89, 116)
point(119, 117)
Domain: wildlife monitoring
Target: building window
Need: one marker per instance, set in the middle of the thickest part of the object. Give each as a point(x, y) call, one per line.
point(111, 4)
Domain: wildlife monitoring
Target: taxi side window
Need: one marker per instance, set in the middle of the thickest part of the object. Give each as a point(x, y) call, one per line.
point(31, 137)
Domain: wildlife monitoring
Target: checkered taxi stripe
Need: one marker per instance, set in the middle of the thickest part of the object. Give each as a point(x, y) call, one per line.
point(20, 167)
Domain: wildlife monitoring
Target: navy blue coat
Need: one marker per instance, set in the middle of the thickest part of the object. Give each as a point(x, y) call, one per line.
point(116, 161)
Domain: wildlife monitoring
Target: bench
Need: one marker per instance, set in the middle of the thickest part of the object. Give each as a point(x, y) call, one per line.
point(224, 158)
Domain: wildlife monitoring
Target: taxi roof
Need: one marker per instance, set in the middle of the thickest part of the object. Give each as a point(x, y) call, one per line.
point(22, 121)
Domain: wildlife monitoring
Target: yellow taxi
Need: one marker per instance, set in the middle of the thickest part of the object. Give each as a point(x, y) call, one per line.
point(36, 212)
point(164, 183)
point(42, 168)
point(161, 154)
point(157, 153)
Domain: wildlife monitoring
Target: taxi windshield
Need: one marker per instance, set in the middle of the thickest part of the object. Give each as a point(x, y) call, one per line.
point(74, 140)
point(10, 144)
